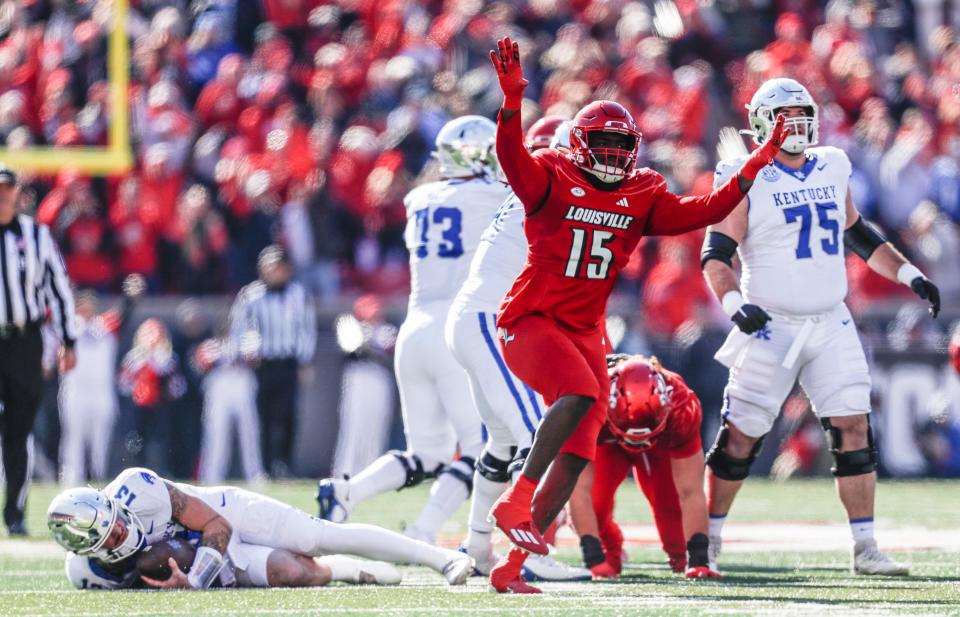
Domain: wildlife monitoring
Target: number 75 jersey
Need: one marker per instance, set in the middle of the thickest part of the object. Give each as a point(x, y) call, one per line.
point(792, 255)
point(444, 223)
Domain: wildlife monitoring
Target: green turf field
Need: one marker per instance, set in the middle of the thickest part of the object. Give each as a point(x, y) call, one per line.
point(912, 517)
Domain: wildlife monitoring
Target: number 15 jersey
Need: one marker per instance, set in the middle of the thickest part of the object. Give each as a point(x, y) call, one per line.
point(579, 237)
point(792, 255)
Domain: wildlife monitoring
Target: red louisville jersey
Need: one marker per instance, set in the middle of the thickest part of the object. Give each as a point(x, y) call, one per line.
point(580, 236)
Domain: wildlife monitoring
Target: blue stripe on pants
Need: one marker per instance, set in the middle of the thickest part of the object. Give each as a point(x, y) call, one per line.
point(504, 371)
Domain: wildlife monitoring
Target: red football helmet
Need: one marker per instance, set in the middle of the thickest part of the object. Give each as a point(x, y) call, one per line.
point(604, 140)
point(540, 134)
point(639, 403)
point(954, 349)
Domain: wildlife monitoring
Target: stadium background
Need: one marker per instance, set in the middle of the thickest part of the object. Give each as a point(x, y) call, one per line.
point(305, 123)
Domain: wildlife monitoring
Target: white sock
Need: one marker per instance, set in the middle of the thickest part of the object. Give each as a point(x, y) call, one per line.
point(446, 495)
point(716, 524)
point(342, 568)
point(861, 529)
point(485, 493)
point(372, 542)
point(386, 473)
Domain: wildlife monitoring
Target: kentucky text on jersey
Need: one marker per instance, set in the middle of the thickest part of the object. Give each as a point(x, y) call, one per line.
point(598, 217)
point(802, 196)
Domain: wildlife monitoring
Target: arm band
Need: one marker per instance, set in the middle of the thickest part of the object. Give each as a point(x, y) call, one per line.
point(718, 246)
point(206, 566)
point(863, 238)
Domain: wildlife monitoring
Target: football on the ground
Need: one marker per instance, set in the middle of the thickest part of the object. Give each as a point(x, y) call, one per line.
point(153, 561)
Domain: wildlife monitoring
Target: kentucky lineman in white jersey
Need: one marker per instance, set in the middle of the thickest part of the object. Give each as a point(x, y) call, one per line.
point(243, 538)
point(791, 321)
point(509, 408)
point(444, 222)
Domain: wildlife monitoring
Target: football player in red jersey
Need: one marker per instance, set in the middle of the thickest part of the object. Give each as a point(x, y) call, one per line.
point(586, 210)
point(653, 427)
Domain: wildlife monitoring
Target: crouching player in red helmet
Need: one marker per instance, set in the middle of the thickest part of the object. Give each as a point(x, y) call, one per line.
point(653, 429)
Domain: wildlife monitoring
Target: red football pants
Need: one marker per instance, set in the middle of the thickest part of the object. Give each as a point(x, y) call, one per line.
point(653, 474)
point(556, 361)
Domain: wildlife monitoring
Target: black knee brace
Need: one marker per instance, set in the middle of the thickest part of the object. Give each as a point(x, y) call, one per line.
point(855, 462)
point(462, 469)
point(517, 463)
point(414, 468)
point(493, 468)
point(725, 466)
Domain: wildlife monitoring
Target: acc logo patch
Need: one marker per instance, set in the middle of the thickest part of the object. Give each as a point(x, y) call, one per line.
point(770, 173)
point(578, 192)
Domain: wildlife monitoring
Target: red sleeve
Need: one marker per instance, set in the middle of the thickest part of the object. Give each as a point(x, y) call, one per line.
point(672, 215)
point(527, 176)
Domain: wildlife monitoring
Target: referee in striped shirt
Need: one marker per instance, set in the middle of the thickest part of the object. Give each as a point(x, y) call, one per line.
point(32, 280)
point(274, 320)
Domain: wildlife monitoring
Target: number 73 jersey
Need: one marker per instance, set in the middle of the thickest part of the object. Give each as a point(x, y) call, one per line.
point(792, 255)
point(444, 223)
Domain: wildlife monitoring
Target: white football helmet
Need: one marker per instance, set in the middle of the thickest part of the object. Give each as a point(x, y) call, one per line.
point(561, 137)
point(81, 520)
point(775, 94)
point(466, 148)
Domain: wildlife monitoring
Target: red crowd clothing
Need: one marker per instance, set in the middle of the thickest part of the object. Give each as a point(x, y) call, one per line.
point(652, 471)
point(579, 237)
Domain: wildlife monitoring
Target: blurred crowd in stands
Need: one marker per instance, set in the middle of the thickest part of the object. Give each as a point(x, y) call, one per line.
point(305, 121)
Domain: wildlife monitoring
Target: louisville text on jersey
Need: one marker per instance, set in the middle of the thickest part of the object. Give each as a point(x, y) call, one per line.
point(598, 217)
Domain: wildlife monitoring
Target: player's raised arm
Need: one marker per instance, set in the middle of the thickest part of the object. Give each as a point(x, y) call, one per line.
point(527, 178)
point(673, 215)
point(196, 515)
point(884, 258)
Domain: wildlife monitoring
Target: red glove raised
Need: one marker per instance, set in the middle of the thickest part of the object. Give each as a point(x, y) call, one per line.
point(506, 62)
point(764, 155)
point(701, 572)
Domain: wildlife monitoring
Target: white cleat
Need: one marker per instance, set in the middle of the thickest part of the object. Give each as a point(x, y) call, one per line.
point(869, 561)
point(458, 569)
point(713, 552)
point(333, 497)
point(546, 568)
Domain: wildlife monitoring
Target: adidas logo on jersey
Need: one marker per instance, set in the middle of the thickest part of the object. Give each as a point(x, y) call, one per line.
point(622, 202)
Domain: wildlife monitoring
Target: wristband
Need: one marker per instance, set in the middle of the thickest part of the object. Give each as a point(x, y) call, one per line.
point(206, 566)
point(907, 273)
point(731, 302)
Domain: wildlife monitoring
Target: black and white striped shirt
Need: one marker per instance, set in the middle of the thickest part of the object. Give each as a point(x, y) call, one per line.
point(33, 279)
point(284, 321)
